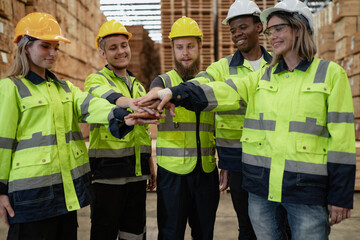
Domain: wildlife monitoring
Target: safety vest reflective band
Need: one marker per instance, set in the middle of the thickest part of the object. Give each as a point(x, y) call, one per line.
point(103, 146)
point(44, 181)
point(176, 146)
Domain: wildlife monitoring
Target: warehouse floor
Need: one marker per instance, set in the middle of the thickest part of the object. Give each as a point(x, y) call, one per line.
point(226, 222)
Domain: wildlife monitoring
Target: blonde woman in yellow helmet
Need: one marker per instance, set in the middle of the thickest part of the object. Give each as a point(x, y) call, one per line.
point(187, 176)
point(44, 168)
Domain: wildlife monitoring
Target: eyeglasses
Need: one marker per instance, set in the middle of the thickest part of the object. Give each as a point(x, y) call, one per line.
point(278, 28)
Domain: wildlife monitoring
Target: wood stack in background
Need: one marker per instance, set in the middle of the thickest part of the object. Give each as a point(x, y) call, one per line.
point(202, 11)
point(337, 33)
point(225, 45)
point(171, 10)
point(324, 33)
point(145, 56)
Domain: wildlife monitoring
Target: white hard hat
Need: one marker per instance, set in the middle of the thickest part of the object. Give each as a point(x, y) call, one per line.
point(291, 6)
point(242, 7)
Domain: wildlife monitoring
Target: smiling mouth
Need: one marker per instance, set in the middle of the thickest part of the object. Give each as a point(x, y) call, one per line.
point(241, 41)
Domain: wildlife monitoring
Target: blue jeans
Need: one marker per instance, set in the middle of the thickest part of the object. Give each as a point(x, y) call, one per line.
point(306, 221)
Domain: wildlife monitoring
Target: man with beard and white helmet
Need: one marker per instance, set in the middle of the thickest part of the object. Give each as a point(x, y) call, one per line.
point(245, 27)
point(187, 176)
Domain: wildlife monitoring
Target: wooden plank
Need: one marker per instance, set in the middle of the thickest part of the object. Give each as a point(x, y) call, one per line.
point(346, 27)
point(355, 85)
point(345, 8)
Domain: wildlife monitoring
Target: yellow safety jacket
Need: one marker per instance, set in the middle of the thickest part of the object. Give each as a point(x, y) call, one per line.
point(111, 157)
point(44, 165)
point(186, 138)
point(229, 124)
point(298, 138)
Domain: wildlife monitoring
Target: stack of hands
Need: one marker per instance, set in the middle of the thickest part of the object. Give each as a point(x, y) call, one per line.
point(148, 109)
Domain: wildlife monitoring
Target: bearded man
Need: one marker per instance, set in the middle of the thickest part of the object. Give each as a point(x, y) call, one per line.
point(187, 176)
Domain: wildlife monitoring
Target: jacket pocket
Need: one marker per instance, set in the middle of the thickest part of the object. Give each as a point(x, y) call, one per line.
point(313, 100)
point(253, 162)
point(32, 102)
point(32, 177)
point(229, 129)
point(312, 145)
point(265, 96)
point(312, 150)
point(106, 136)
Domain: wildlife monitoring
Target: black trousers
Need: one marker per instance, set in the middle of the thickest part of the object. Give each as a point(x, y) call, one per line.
point(118, 209)
point(181, 198)
point(63, 227)
point(240, 201)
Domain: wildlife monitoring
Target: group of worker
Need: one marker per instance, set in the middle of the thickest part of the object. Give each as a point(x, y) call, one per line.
point(282, 125)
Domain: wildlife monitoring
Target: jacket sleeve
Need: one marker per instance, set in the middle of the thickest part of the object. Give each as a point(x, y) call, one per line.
point(214, 96)
point(9, 112)
point(341, 157)
point(98, 86)
point(90, 109)
point(214, 72)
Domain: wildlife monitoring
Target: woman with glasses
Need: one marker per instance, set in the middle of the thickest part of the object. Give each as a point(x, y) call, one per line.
point(298, 138)
point(44, 165)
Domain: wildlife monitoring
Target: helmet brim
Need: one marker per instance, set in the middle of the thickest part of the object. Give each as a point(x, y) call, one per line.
point(264, 15)
point(46, 38)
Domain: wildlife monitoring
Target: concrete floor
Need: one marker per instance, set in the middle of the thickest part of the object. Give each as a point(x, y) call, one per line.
point(226, 222)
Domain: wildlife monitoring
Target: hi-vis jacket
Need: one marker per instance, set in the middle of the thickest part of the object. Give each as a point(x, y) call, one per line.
point(229, 124)
point(298, 138)
point(186, 138)
point(111, 157)
point(44, 166)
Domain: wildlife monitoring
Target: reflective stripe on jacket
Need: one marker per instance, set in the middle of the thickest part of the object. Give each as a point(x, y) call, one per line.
point(183, 139)
point(44, 162)
point(298, 138)
point(229, 124)
point(111, 157)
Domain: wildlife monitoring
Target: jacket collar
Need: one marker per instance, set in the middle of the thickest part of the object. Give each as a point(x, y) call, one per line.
point(113, 74)
point(303, 65)
point(36, 79)
point(238, 59)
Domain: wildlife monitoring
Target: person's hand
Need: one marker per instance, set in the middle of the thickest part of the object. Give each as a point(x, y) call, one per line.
point(5, 209)
point(165, 95)
point(125, 102)
point(338, 214)
point(152, 181)
point(224, 180)
point(142, 118)
point(150, 99)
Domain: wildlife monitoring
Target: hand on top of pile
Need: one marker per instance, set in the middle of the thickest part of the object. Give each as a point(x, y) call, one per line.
point(157, 98)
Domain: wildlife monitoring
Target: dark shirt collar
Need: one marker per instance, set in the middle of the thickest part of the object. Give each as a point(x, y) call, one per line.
point(36, 79)
point(302, 66)
point(238, 59)
point(185, 79)
point(128, 72)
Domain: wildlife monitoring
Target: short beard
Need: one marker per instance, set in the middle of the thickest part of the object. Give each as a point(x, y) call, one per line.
point(188, 72)
point(119, 68)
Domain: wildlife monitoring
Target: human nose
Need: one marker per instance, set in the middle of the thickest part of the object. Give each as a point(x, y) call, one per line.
point(185, 52)
point(53, 51)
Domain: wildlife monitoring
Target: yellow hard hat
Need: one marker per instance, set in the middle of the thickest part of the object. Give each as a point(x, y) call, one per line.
point(109, 28)
point(41, 26)
point(185, 27)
